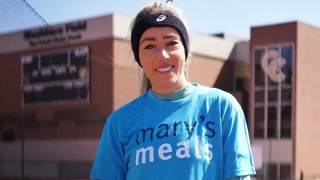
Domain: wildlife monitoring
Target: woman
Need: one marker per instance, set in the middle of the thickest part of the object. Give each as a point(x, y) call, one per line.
point(175, 129)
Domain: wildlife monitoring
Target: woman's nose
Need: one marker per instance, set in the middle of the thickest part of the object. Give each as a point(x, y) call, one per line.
point(163, 54)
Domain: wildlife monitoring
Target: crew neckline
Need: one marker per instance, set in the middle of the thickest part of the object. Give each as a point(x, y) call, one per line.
point(176, 95)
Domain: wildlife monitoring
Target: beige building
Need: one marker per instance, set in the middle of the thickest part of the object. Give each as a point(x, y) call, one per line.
point(59, 83)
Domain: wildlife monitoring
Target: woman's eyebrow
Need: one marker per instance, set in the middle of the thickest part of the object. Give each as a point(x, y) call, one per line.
point(164, 37)
point(171, 36)
point(147, 39)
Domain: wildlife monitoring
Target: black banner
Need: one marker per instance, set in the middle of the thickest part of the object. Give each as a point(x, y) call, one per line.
point(57, 77)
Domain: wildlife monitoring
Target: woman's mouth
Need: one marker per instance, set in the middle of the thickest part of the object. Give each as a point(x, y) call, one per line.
point(166, 69)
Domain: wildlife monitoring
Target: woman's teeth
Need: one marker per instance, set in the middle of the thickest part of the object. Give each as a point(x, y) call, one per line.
point(164, 69)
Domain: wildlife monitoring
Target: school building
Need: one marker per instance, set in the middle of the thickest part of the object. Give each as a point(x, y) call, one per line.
point(59, 83)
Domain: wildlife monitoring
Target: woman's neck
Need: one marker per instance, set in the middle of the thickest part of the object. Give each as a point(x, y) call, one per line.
point(176, 95)
point(161, 89)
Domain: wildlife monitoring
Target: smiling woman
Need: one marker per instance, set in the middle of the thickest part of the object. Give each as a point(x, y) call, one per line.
point(175, 129)
point(162, 56)
point(143, 25)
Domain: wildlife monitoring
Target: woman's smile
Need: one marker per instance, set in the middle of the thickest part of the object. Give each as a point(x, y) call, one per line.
point(164, 69)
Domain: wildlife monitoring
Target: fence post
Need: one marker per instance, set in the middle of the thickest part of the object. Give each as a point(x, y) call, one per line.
point(22, 119)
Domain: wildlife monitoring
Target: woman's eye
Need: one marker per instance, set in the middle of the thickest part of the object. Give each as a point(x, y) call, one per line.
point(150, 46)
point(172, 43)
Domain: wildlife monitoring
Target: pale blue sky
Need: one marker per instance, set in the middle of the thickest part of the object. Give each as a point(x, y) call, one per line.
point(204, 16)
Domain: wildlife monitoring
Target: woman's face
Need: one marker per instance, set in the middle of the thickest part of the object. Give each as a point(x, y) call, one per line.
point(162, 57)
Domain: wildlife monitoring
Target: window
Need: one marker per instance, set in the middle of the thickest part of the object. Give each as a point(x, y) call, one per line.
point(273, 95)
point(272, 87)
point(286, 125)
point(259, 122)
point(259, 96)
point(272, 122)
point(275, 171)
point(286, 94)
point(272, 171)
point(259, 73)
point(285, 171)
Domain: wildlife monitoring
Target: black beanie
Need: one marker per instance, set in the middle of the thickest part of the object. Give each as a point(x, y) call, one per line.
point(157, 20)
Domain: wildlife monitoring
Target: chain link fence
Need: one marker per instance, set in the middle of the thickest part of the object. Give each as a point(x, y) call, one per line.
point(49, 130)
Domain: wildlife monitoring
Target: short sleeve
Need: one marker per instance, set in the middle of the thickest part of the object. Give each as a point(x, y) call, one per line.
point(238, 159)
point(109, 163)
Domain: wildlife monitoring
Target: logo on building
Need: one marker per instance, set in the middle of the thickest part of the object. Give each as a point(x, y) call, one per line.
point(272, 63)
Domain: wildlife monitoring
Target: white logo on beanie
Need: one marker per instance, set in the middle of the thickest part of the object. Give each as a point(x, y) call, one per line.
point(161, 18)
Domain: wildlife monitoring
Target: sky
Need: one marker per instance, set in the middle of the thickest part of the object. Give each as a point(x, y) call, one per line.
point(235, 17)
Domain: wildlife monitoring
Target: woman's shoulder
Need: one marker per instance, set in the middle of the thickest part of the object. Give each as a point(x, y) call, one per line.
point(220, 98)
point(132, 107)
point(214, 92)
point(217, 96)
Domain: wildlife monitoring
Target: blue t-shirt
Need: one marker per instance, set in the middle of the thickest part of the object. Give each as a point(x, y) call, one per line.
point(202, 136)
